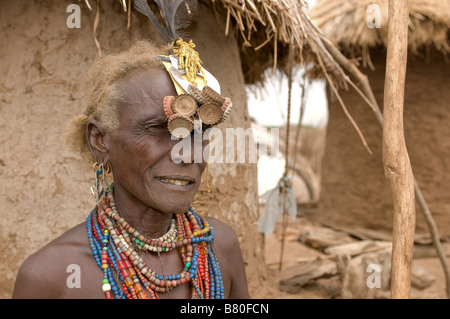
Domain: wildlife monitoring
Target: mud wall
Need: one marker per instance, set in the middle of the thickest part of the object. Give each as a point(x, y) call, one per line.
point(355, 191)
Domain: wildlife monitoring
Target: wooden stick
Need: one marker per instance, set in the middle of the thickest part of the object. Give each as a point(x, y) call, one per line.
point(88, 5)
point(344, 108)
point(96, 21)
point(397, 166)
point(129, 15)
point(286, 156)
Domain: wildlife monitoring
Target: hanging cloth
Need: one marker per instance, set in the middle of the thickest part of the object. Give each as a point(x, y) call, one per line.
point(274, 207)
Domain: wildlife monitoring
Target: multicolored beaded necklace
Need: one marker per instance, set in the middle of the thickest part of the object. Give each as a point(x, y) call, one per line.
point(116, 247)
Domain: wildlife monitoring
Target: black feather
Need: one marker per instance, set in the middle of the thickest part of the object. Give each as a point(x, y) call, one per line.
point(177, 15)
point(186, 13)
point(143, 7)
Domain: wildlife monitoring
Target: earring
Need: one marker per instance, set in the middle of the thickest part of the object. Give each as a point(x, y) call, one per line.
point(101, 181)
point(207, 177)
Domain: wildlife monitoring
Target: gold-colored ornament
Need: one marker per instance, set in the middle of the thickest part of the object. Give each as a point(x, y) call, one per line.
point(188, 60)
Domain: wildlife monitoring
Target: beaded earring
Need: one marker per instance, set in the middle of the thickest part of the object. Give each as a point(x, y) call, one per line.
point(101, 180)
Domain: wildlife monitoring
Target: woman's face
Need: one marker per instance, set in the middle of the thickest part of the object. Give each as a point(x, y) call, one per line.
point(140, 151)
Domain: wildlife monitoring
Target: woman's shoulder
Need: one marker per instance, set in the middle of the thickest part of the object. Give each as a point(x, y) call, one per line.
point(73, 241)
point(225, 236)
point(51, 263)
point(219, 226)
point(230, 258)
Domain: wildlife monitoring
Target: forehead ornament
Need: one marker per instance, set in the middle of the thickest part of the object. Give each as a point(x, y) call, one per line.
point(199, 103)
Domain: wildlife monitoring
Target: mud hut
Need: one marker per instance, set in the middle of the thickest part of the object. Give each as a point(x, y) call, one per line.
point(355, 192)
point(45, 58)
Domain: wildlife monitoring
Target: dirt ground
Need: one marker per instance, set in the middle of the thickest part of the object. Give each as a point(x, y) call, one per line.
point(296, 253)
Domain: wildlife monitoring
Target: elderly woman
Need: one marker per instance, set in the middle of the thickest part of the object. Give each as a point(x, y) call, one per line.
point(143, 239)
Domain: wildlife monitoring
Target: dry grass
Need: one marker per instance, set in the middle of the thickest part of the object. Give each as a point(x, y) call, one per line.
point(266, 30)
point(344, 22)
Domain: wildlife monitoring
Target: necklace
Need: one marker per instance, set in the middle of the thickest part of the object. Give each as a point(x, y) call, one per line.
point(117, 247)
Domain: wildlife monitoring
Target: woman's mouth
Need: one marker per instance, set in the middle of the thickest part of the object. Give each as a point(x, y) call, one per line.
point(173, 181)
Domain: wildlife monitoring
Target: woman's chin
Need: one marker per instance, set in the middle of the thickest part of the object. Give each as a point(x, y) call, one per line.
point(178, 207)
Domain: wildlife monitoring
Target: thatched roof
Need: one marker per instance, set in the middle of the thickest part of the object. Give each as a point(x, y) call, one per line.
point(345, 23)
point(266, 30)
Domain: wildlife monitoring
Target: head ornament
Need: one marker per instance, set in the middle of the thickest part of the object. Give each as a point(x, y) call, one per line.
point(199, 103)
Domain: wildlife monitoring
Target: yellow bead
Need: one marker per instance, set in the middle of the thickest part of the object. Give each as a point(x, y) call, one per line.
point(128, 281)
point(105, 266)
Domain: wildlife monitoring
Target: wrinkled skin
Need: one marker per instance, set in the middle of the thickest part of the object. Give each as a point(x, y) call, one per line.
point(140, 156)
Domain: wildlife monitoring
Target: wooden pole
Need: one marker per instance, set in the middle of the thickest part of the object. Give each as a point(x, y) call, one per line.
point(367, 94)
point(286, 157)
point(397, 166)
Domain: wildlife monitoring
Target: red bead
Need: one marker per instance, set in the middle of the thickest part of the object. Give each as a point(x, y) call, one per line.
point(108, 295)
point(125, 273)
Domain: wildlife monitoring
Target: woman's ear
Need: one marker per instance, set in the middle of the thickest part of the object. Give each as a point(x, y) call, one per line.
point(98, 141)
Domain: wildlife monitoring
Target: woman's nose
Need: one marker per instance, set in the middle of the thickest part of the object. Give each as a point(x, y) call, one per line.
point(187, 150)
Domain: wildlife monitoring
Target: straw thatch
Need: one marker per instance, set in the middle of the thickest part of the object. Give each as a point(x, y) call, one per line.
point(266, 31)
point(345, 23)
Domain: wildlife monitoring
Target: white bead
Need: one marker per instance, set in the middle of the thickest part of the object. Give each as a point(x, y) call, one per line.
point(106, 287)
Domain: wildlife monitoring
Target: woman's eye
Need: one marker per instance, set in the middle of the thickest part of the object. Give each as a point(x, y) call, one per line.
point(156, 128)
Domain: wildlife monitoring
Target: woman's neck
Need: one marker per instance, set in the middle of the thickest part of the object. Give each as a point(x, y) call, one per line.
point(146, 220)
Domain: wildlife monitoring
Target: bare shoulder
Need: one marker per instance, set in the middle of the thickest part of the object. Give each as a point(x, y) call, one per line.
point(222, 230)
point(230, 258)
point(44, 273)
point(225, 238)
